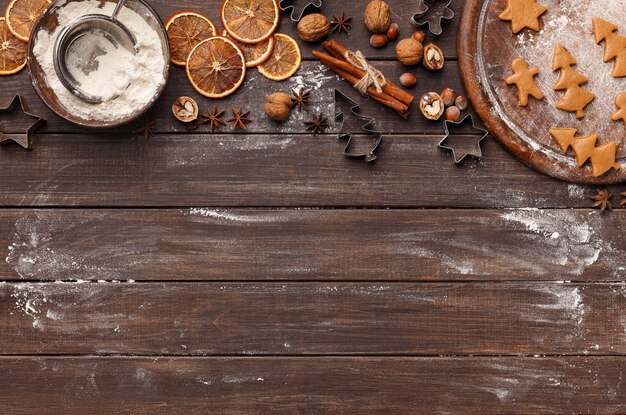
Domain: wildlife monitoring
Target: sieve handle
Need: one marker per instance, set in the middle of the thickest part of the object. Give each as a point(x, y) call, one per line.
point(119, 6)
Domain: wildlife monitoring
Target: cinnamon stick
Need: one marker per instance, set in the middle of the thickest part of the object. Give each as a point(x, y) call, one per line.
point(342, 69)
point(338, 51)
point(382, 98)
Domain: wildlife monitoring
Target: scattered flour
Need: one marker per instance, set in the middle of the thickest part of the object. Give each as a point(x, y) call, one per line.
point(567, 240)
point(568, 22)
point(136, 78)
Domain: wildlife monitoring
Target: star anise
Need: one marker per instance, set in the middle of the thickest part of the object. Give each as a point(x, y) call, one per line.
point(240, 119)
point(623, 202)
point(603, 200)
point(145, 129)
point(301, 98)
point(212, 117)
point(317, 125)
point(341, 23)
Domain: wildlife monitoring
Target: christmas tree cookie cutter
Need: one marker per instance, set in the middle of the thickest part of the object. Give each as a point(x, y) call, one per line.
point(24, 139)
point(433, 13)
point(460, 153)
point(299, 8)
point(367, 151)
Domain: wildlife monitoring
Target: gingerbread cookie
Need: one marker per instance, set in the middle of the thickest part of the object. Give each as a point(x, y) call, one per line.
point(614, 45)
point(576, 98)
point(524, 78)
point(602, 158)
point(620, 103)
point(523, 13)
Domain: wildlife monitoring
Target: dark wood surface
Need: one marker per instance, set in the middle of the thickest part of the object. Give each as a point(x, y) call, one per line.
point(264, 273)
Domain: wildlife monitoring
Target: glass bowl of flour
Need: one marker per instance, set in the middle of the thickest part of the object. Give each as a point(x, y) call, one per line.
point(130, 83)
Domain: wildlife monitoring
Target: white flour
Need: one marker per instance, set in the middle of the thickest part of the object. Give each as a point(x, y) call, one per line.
point(127, 81)
point(568, 22)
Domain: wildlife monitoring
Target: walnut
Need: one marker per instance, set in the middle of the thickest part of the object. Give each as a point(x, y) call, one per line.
point(432, 106)
point(278, 106)
point(185, 109)
point(313, 27)
point(409, 52)
point(377, 16)
point(433, 58)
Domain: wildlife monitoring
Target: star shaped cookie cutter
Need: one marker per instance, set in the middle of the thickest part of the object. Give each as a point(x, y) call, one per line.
point(295, 15)
point(460, 153)
point(368, 129)
point(23, 139)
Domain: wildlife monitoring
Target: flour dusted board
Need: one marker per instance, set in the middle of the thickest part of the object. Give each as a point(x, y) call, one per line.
point(487, 47)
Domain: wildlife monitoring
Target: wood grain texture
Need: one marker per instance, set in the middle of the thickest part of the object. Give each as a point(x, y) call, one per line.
point(278, 171)
point(258, 244)
point(312, 318)
point(312, 385)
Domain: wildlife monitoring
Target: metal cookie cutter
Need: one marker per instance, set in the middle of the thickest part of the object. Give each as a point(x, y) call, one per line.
point(433, 13)
point(464, 131)
point(367, 150)
point(23, 139)
point(297, 11)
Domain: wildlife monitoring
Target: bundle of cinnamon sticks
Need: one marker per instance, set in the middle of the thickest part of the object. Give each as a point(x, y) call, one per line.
point(391, 95)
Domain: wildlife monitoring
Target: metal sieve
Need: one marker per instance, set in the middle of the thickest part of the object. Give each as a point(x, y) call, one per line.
point(108, 27)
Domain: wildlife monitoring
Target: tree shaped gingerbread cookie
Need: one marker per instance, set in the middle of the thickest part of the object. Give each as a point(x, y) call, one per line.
point(614, 45)
point(602, 157)
point(524, 78)
point(522, 14)
point(620, 103)
point(576, 98)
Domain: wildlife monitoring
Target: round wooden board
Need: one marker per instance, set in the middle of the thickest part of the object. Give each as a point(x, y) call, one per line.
point(487, 48)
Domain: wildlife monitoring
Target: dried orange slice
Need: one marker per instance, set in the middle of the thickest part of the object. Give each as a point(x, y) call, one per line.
point(21, 16)
point(250, 21)
point(185, 30)
point(13, 52)
point(255, 54)
point(284, 61)
point(216, 67)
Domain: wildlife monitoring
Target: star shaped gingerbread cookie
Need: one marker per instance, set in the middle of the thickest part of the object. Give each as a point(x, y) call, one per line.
point(523, 14)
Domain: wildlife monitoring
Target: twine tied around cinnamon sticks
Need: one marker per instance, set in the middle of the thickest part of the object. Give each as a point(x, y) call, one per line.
point(373, 77)
point(357, 71)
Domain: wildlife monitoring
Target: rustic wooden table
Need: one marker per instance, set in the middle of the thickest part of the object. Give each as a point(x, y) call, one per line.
point(229, 273)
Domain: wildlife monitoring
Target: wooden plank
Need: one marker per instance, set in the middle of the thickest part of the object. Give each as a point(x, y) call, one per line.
point(366, 245)
point(312, 318)
point(312, 385)
point(288, 171)
point(251, 97)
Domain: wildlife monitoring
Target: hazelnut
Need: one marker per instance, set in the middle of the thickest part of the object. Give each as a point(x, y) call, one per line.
point(433, 57)
point(432, 106)
point(278, 106)
point(408, 80)
point(377, 16)
point(453, 114)
point(313, 27)
point(448, 96)
point(378, 41)
point(185, 109)
point(393, 32)
point(419, 35)
point(461, 102)
point(409, 52)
